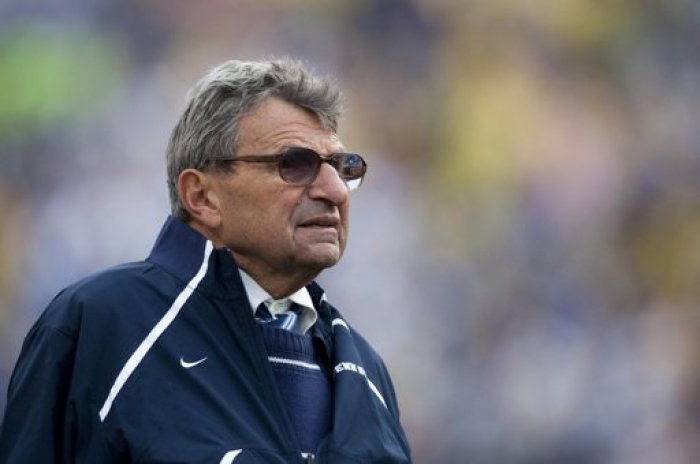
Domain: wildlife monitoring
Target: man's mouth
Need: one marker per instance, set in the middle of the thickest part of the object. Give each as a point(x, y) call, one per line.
point(321, 221)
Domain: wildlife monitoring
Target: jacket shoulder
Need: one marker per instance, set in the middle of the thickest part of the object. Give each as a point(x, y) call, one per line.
point(101, 294)
point(367, 352)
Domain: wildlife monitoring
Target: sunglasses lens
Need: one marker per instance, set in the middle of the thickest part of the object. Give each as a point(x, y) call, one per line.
point(351, 166)
point(299, 165)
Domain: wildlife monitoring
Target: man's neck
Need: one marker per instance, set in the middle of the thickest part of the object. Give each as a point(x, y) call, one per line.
point(276, 284)
point(278, 287)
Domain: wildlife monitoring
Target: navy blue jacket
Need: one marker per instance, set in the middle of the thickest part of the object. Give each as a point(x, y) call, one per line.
point(161, 362)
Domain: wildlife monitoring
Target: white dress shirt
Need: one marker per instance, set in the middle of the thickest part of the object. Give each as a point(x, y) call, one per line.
point(257, 294)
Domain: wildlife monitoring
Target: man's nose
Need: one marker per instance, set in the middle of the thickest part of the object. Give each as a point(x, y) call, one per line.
point(329, 186)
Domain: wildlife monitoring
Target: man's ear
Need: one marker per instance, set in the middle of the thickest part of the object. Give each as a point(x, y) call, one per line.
point(199, 197)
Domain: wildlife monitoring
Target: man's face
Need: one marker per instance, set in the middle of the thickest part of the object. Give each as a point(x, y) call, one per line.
point(273, 227)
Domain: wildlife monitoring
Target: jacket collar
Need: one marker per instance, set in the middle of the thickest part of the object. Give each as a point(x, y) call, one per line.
point(178, 248)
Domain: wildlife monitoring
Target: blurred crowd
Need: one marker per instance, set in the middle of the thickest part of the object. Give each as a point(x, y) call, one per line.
point(525, 251)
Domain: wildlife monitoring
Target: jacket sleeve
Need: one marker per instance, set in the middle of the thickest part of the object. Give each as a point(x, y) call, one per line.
point(387, 386)
point(36, 427)
point(379, 375)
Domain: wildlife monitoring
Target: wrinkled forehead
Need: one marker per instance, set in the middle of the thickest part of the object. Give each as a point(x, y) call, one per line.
point(275, 124)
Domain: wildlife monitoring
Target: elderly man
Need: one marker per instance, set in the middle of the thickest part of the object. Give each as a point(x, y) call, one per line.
point(219, 347)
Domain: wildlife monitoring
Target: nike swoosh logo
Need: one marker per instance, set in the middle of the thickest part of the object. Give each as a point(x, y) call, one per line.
point(188, 365)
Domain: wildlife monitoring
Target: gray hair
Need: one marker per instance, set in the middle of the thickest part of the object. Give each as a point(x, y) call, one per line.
point(208, 127)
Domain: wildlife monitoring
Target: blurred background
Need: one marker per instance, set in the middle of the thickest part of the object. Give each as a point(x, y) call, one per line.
point(525, 251)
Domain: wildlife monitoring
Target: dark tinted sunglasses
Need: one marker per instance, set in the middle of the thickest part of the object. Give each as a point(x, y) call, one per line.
point(299, 165)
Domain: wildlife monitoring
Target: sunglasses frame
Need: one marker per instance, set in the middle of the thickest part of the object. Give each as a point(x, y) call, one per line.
point(334, 159)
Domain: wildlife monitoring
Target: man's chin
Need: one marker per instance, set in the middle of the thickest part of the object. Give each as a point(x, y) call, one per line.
point(321, 256)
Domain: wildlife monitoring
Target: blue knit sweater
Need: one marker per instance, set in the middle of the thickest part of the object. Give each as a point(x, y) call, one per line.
point(303, 382)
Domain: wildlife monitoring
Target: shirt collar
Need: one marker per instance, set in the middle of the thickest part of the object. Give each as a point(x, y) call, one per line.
point(257, 294)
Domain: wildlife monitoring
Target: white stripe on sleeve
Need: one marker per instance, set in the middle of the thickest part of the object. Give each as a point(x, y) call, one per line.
point(155, 333)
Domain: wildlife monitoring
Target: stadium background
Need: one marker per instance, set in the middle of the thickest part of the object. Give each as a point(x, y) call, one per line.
point(524, 252)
